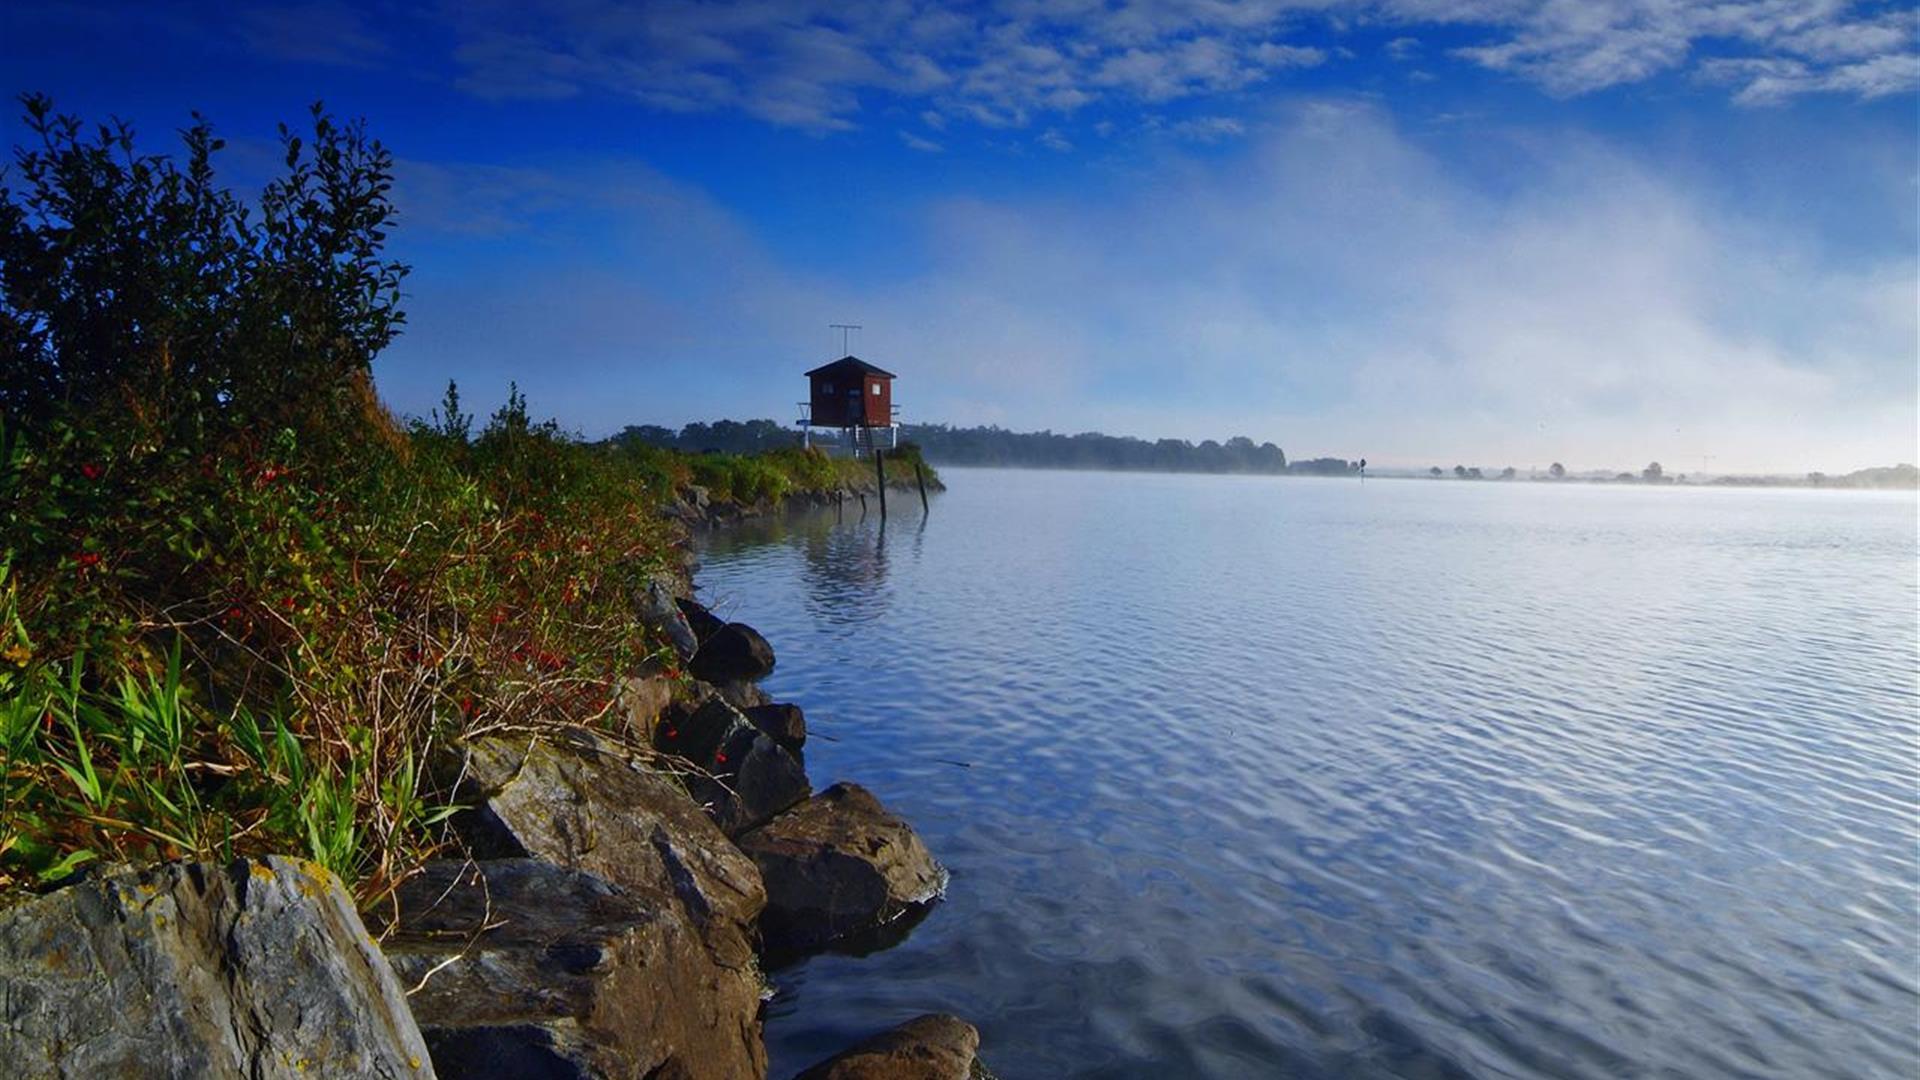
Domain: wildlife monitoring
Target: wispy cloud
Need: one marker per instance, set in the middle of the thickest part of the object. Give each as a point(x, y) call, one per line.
point(809, 63)
point(1578, 48)
point(920, 143)
point(812, 64)
point(1208, 129)
point(315, 31)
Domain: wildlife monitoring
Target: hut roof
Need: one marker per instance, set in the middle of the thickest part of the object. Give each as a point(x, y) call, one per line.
point(850, 365)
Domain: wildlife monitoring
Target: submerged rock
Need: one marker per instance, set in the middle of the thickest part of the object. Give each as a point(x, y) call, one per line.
point(741, 777)
point(736, 652)
point(521, 968)
point(784, 723)
point(261, 968)
point(836, 866)
point(576, 801)
point(933, 1047)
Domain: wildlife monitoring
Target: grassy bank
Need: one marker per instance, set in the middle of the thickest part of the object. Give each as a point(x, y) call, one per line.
point(242, 606)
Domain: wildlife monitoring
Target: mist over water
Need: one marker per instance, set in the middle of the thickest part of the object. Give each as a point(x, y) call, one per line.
point(1252, 777)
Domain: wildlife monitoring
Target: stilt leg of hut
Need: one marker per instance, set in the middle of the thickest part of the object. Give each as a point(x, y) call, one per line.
point(920, 477)
point(880, 470)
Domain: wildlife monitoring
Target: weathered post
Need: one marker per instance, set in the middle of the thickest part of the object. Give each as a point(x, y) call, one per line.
point(880, 470)
point(920, 477)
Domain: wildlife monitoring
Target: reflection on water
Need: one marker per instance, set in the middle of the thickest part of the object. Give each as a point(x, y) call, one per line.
point(1254, 777)
point(844, 557)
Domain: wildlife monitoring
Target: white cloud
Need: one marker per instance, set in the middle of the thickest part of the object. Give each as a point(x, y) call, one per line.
point(1577, 48)
point(1771, 82)
point(810, 63)
point(920, 143)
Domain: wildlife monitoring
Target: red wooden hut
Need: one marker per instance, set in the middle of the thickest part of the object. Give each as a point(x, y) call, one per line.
point(855, 397)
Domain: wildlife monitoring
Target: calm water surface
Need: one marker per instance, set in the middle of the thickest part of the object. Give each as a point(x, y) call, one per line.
point(1257, 777)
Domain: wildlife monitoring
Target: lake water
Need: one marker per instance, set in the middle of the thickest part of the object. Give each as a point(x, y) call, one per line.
point(1247, 776)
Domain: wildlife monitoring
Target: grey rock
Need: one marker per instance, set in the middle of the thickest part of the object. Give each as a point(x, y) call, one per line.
point(740, 694)
point(656, 608)
point(524, 968)
point(839, 865)
point(641, 700)
point(734, 653)
point(933, 1047)
point(738, 775)
point(784, 723)
point(577, 801)
point(261, 968)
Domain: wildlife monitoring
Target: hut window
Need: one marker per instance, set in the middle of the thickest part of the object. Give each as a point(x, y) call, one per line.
point(826, 388)
point(876, 389)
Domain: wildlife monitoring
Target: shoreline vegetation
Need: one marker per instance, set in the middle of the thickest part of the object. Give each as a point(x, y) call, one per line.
point(274, 661)
point(995, 447)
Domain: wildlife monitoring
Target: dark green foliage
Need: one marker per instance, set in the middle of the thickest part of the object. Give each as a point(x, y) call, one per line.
point(135, 288)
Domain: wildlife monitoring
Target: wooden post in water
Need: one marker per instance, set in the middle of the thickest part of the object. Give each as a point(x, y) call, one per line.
point(880, 470)
point(920, 476)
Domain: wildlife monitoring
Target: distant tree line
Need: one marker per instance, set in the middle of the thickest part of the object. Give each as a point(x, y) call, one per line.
point(944, 444)
point(721, 436)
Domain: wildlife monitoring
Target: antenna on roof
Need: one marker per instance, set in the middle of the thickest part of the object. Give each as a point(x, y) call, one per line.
point(845, 329)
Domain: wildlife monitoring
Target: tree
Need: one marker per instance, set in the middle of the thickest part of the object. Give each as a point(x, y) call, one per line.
point(451, 422)
point(1459, 472)
point(1557, 471)
point(1434, 472)
point(135, 290)
point(1652, 473)
point(1508, 473)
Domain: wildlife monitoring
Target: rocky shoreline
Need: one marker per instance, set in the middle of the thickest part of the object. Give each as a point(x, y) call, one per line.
point(617, 898)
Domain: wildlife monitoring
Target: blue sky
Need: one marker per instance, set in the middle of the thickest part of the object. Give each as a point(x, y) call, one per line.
point(1421, 231)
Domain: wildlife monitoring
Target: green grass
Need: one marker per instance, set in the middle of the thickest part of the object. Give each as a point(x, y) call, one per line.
point(768, 477)
point(260, 649)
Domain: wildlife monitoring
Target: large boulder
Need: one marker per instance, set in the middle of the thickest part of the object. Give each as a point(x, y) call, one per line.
point(741, 777)
point(521, 968)
point(933, 1047)
point(575, 800)
point(736, 652)
point(261, 968)
point(838, 866)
